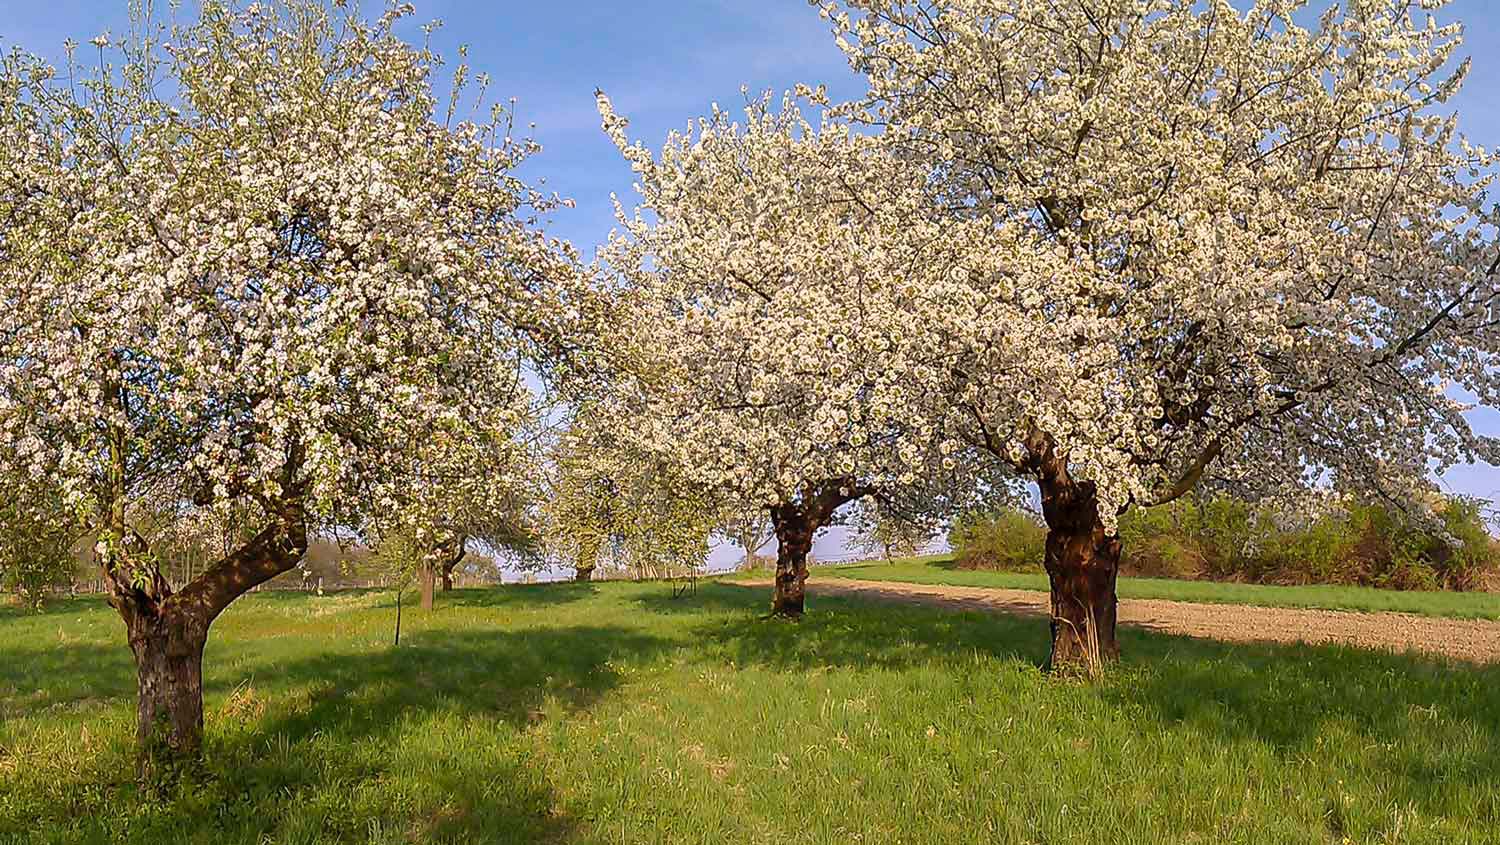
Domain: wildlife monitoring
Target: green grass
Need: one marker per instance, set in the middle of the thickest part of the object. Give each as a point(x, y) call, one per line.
point(613, 713)
point(940, 569)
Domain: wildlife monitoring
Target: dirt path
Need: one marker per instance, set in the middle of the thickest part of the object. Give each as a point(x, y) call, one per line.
point(1466, 639)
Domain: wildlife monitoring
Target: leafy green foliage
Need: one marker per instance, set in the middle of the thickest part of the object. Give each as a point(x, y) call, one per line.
point(1006, 539)
point(397, 557)
point(1229, 540)
point(36, 545)
point(613, 509)
point(1359, 544)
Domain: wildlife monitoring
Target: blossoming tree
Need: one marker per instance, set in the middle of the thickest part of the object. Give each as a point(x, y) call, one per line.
point(610, 501)
point(253, 265)
point(1247, 248)
point(877, 532)
point(36, 541)
point(781, 289)
point(470, 481)
point(751, 531)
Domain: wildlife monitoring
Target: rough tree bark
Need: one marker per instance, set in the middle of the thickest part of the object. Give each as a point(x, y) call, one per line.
point(794, 533)
point(1082, 562)
point(583, 573)
point(167, 630)
point(795, 524)
point(427, 576)
point(168, 647)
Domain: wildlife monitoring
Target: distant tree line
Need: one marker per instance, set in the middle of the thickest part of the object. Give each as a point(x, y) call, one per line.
point(1226, 539)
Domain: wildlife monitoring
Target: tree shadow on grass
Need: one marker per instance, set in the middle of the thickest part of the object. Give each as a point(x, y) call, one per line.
point(36, 678)
point(841, 631)
point(1438, 722)
point(1269, 688)
point(1432, 723)
point(437, 686)
point(707, 596)
point(499, 674)
point(11, 609)
point(418, 743)
point(520, 596)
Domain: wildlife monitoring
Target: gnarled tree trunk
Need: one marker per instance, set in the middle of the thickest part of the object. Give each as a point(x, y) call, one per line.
point(1082, 568)
point(167, 630)
point(794, 536)
point(1083, 562)
point(168, 649)
point(795, 523)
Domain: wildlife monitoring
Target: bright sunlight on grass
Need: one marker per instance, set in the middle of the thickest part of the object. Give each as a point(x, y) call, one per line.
point(940, 569)
point(613, 713)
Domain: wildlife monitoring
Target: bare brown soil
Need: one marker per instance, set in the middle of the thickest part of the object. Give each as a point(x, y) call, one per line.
point(1466, 639)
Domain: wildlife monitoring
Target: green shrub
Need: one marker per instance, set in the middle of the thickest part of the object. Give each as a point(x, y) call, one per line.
point(1006, 539)
point(1374, 546)
point(1190, 539)
point(1227, 539)
point(1476, 559)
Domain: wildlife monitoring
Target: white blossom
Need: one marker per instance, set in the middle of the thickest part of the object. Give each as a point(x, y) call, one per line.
point(1241, 246)
point(273, 290)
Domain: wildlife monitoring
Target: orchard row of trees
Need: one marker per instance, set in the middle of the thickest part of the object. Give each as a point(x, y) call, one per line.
point(252, 265)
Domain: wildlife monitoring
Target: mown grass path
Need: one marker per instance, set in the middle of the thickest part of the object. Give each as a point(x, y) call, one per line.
point(1466, 639)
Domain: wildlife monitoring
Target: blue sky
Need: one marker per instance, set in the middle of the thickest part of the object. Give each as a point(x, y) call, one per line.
point(666, 61)
point(661, 61)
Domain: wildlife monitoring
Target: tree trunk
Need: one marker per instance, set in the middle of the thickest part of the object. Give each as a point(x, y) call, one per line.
point(1082, 568)
point(795, 523)
point(167, 629)
point(1083, 562)
point(583, 573)
point(794, 542)
point(168, 649)
point(456, 552)
point(429, 576)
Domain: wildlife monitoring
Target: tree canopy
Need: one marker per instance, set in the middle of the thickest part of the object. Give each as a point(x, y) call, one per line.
point(1235, 247)
point(259, 264)
point(1242, 246)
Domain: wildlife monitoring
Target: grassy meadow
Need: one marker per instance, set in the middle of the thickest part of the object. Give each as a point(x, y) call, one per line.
point(941, 569)
point(613, 713)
